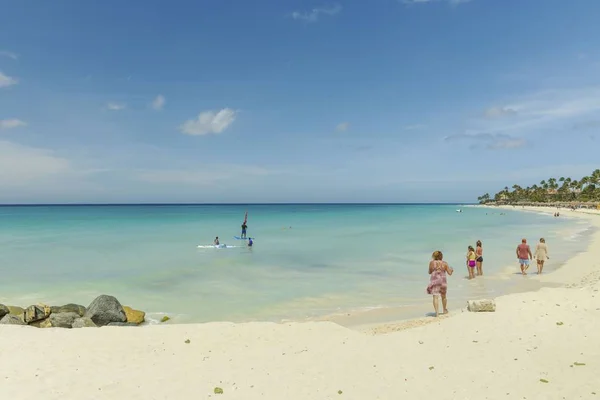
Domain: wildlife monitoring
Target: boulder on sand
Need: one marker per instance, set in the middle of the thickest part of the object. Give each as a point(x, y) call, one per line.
point(10, 319)
point(36, 312)
point(76, 308)
point(134, 316)
point(481, 305)
point(3, 311)
point(104, 310)
point(60, 320)
point(84, 322)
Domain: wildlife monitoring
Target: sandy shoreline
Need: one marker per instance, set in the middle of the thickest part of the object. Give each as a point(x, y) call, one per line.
point(531, 337)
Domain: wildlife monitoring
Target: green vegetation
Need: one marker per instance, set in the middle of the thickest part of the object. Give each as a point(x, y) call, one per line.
point(586, 189)
point(218, 390)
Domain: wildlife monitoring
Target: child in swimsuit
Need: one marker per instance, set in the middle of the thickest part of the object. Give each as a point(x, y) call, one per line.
point(471, 262)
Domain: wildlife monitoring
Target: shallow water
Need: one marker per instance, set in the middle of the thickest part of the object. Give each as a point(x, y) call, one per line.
point(308, 260)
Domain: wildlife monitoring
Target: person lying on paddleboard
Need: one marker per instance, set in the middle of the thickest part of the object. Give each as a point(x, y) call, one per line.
point(244, 227)
point(217, 241)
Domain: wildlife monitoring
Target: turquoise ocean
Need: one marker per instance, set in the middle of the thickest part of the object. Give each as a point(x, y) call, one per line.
point(308, 260)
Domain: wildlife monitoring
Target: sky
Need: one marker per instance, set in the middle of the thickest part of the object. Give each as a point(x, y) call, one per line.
point(239, 101)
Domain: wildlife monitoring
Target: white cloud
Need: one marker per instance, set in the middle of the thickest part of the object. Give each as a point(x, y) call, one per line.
point(159, 102)
point(9, 55)
point(20, 165)
point(6, 81)
point(342, 127)
point(314, 14)
point(116, 106)
point(11, 123)
point(209, 122)
point(498, 112)
point(551, 109)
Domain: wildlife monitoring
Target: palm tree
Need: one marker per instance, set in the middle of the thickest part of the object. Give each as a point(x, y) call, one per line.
point(587, 188)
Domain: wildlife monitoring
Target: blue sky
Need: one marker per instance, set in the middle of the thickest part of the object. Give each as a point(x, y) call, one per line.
point(294, 101)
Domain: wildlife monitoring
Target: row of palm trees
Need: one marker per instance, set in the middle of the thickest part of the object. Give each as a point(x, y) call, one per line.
point(586, 189)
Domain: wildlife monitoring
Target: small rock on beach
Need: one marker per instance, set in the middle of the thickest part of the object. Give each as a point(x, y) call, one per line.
point(481, 305)
point(134, 316)
point(36, 312)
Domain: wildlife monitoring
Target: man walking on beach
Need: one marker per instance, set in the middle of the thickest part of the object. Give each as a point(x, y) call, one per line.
point(524, 255)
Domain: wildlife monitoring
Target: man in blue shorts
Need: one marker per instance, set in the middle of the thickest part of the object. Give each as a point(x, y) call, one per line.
point(524, 255)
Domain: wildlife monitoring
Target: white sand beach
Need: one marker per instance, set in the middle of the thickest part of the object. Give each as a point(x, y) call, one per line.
point(537, 345)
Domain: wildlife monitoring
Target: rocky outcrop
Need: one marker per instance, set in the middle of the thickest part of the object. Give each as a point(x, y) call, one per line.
point(134, 316)
point(83, 322)
point(104, 310)
point(10, 319)
point(76, 308)
point(481, 305)
point(36, 312)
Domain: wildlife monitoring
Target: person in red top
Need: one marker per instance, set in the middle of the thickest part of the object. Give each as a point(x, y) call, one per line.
point(524, 255)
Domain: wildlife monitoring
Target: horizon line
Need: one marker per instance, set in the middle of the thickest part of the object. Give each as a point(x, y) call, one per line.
point(224, 204)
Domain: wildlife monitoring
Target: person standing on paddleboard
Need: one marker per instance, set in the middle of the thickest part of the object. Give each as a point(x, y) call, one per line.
point(244, 227)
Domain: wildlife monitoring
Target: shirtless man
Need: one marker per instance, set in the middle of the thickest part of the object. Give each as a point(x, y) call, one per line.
point(524, 255)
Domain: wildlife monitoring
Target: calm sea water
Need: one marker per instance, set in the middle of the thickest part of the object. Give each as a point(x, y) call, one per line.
point(308, 260)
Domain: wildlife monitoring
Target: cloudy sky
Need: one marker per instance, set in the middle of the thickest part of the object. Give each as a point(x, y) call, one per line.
point(294, 101)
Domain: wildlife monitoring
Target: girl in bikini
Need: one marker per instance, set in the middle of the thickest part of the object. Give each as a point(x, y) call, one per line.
point(471, 262)
point(479, 252)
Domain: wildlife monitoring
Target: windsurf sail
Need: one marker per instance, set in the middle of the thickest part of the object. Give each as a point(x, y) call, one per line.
point(246, 218)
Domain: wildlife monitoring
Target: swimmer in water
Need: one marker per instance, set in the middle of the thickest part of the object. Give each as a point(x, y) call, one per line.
point(250, 242)
point(216, 241)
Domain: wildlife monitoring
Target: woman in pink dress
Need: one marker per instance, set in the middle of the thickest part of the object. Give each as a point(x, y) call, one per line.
point(437, 280)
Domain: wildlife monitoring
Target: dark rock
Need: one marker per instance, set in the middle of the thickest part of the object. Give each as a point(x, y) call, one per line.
point(10, 319)
point(122, 324)
point(105, 309)
point(36, 312)
point(62, 320)
point(84, 322)
point(76, 308)
point(3, 310)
